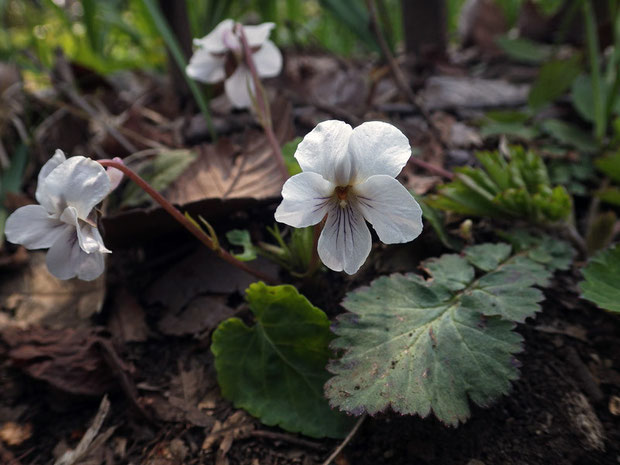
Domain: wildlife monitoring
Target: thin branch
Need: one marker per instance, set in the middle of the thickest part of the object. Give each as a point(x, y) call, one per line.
point(399, 78)
point(263, 105)
point(438, 170)
point(346, 441)
point(187, 224)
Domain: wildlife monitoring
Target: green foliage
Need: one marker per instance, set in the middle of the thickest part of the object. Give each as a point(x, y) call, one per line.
point(419, 345)
point(276, 369)
point(554, 79)
point(105, 36)
point(293, 254)
point(572, 174)
point(582, 97)
point(436, 219)
point(159, 172)
point(288, 152)
point(241, 238)
point(610, 166)
point(602, 275)
point(515, 189)
point(569, 134)
point(11, 181)
point(525, 50)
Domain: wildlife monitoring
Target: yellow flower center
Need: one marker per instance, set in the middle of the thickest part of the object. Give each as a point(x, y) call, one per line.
point(342, 193)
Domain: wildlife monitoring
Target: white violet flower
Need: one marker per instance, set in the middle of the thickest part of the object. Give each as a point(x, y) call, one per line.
point(219, 56)
point(65, 222)
point(349, 175)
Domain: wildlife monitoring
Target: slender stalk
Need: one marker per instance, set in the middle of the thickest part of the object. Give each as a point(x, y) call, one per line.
point(595, 70)
point(346, 441)
point(262, 105)
point(187, 224)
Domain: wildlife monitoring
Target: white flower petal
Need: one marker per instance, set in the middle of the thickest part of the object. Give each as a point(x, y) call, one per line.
point(390, 208)
point(66, 259)
point(91, 266)
point(268, 60)
point(88, 236)
point(306, 197)
point(236, 87)
point(33, 227)
point(345, 241)
point(57, 159)
point(115, 175)
point(78, 182)
point(205, 67)
point(63, 258)
point(214, 41)
point(378, 148)
point(257, 35)
point(324, 151)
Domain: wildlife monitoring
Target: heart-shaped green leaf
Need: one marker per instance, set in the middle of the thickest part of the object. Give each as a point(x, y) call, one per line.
point(276, 369)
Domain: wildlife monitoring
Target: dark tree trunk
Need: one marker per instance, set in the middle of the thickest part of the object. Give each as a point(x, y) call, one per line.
point(425, 27)
point(175, 12)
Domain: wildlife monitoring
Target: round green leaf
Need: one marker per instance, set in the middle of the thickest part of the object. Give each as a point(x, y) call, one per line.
point(276, 369)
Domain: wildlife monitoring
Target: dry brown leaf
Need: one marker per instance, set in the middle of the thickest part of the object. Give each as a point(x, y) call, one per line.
point(231, 175)
point(238, 425)
point(480, 24)
point(13, 434)
point(327, 80)
point(180, 403)
point(32, 296)
point(198, 274)
point(614, 405)
point(127, 321)
point(78, 361)
point(202, 314)
point(446, 92)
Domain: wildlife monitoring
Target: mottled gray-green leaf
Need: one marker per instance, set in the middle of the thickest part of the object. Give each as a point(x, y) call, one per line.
point(276, 369)
point(602, 279)
point(419, 345)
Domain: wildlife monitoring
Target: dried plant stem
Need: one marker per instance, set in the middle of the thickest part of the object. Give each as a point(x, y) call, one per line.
point(346, 441)
point(397, 75)
point(263, 105)
point(438, 170)
point(187, 224)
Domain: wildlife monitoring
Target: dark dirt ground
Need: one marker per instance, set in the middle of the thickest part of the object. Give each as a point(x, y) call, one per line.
point(560, 410)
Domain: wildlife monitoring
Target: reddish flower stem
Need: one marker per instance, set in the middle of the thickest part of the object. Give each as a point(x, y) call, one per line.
point(263, 105)
point(187, 224)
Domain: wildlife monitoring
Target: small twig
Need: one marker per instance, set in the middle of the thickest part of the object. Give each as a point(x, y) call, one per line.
point(438, 170)
point(79, 113)
point(187, 224)
point(259, 433)
point(263, 105)
point(346, 441)
point(399, 78)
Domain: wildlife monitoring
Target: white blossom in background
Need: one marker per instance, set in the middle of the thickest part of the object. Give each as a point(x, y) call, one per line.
point(219, 56)
point(349, 175)
point(65, 222)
